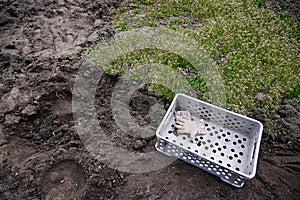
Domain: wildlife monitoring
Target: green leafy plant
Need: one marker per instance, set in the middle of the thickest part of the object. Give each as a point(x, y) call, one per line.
point(259, 3)
point(283, 5)
point(121, 25)
point(198, 83)
point(143, 1)
point(295, 93)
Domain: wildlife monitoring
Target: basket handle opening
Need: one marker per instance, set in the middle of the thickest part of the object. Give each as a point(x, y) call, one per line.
point(253, 151)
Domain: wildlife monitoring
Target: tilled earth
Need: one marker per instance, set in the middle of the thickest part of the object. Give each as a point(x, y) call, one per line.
point(41, 154)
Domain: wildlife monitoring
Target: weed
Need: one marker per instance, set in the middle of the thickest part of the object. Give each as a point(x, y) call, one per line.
point(283, 5)
point(74, 57)
point(259, 3)
point(90, 51)
point(143, 1)
point(121, 25)
point(295, 93)
point(198, 83)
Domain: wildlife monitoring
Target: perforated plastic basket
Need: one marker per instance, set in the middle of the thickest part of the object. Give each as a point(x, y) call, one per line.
point(229, 149)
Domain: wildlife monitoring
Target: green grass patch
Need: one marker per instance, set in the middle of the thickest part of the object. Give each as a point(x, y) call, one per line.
point(295, 93)
point(261, 46)
point(160, 89)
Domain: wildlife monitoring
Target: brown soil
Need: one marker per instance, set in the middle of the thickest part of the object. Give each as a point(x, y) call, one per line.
point(42, 156)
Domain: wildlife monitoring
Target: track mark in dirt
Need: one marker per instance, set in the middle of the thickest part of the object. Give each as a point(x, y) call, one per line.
point(19, 151)
point(52, 28)
point(288, 179)
point(178, 181)
point(61, 107)
point(140, 104)
point(64, 180)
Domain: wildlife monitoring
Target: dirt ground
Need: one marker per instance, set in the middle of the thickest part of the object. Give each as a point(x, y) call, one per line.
point(42, 156)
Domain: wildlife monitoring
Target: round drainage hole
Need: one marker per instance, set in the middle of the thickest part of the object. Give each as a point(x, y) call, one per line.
point(244, 139)
point(236, 136)
point(241, 153)
point(239, 161)
point(228, 165)
point(243, 146)
point(170, 132)
point(235, 155)
point(237, 169)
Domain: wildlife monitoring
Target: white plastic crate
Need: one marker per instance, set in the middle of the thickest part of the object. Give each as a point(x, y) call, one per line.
point(229, 149)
